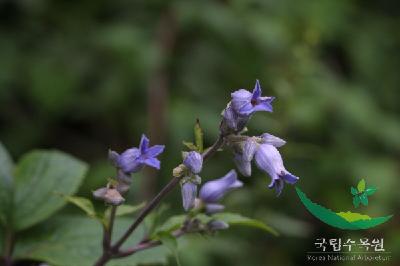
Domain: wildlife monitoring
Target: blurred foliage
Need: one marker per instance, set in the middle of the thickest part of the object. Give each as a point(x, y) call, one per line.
point(78, 75)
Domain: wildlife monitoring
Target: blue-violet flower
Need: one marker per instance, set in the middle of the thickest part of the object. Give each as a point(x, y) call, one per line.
point(134, 159)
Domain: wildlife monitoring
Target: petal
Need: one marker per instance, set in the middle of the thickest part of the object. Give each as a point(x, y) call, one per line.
point(155, 150)
point(277, 184)
point(152, 162)
point(113, 157)
point(99, 193)
point(241, 101)
point(242, 165)
point(212, 208)
point(249, 149)
point(269, 160)
point(257, 90)
point(194, 161)
point(214, 190)
point(144, 143)
point(189, 192)
point(272, 140)
point(289, 178)
point(264, 104)
point(129, 161)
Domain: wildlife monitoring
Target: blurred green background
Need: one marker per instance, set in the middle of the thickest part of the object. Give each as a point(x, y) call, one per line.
point(86, 76)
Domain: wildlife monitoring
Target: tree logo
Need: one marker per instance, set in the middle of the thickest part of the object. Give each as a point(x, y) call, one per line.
point(346, 220)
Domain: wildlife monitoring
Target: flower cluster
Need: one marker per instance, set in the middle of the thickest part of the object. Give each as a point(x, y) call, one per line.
point(263, 150)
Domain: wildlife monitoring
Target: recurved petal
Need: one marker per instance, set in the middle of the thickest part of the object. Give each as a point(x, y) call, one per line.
point(272, 140)
point(152, 162)
point(289, 178)
point(144, 143)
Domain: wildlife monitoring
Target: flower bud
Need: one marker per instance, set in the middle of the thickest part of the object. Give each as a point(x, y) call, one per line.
point(189, 193)
point(109, 195)
point(194, 161)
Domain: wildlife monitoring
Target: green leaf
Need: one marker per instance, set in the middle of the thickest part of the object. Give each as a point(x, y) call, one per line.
point(39, 176)
point(190, 145)
point(6, 184)
point(76, 241)
point(83, 203)
point(354, 191)
point(364, 199)
point(126, 209)
point(171, 243)
point(237, 219)
point(371, 190)
point(361, 186)
point(198, 136)
point(356, 201)
point(173, 223)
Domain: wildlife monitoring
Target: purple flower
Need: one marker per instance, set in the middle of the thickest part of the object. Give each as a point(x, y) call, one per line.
point(269, 160)
point(246, 103)
point(194, 161)
point(243, 161)
point(134, 159)
point(213, 191)
point(189, 193)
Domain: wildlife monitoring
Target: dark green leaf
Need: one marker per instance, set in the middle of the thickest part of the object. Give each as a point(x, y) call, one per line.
point(171, 243)
point(237, 219)
point(354, 191)
point(83, 203)
point(39, 176)
point(173, 223)
point(126, 209)
point(76, 241)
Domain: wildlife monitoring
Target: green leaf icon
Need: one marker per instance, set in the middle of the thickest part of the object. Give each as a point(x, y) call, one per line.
point(364, 199)
point(371, 190)
point(356, 201)
point(354, 191)
point(361, 186)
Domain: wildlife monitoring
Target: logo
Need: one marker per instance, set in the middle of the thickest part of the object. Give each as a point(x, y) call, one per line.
point(346, 220)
